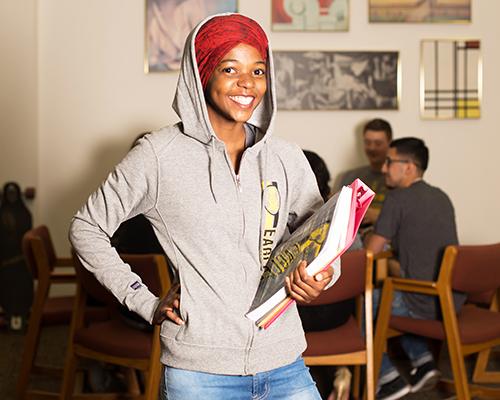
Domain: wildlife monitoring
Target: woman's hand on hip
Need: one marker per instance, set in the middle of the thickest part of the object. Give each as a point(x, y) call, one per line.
point(168, 307)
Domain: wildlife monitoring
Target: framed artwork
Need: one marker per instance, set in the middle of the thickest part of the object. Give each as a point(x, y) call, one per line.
point(337, 80)
point(310, 15)
point(450, 79)
point(168, 22)
point(420, 10)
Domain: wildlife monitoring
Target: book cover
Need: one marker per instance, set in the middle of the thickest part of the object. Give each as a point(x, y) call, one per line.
point(320, 240)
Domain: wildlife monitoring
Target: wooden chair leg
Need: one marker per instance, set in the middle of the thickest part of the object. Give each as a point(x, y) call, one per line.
point(458, 369)
point(382, 327)
point(152, 382)
point(481, 375)
point(28, 358)
point(133, 386)
point(31, 341)
point(69, 376)
point(356, 381)
point(70, 362)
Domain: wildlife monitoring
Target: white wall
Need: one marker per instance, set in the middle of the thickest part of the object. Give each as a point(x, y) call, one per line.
point(18, 93)
point(93, 99)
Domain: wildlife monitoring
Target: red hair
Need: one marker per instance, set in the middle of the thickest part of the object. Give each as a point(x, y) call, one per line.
point(221, 34)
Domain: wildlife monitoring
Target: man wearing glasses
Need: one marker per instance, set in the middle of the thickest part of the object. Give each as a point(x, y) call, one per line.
point(418, 221)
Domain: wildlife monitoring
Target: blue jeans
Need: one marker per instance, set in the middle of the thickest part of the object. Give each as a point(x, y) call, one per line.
point(415, 346)
point(291, 382)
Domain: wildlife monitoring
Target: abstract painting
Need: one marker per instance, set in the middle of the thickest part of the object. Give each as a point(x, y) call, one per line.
point(168, 22)
point(420, 10)
point(310, 15)
point(337, 80)
point(450, 79)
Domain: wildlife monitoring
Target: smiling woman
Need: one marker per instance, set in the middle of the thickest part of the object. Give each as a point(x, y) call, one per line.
point(212, 172)
point(236, 86)
point(234, 90)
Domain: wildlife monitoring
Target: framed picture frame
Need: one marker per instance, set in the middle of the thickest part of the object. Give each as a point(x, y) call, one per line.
point(450, 79)
point(338, 80)
point(309, 15)
point(168, 22)
point(449, 11)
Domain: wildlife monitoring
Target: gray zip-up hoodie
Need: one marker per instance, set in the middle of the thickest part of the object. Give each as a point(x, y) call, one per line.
point(217, 229)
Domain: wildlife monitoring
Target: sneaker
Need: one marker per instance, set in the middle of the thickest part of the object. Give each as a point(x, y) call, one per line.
point(394, 389)
point(341, 384)
point(424, 377)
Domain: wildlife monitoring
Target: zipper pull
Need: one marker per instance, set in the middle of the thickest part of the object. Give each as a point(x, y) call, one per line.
point(238, 183)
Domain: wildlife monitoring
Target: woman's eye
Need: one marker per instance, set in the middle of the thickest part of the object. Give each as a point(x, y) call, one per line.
point(228, 70)
point(259, 72)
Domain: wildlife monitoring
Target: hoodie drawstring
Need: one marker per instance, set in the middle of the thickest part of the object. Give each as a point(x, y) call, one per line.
point(211, 167)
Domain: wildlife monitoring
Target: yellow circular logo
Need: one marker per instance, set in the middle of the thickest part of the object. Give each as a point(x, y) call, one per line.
point(273, 200)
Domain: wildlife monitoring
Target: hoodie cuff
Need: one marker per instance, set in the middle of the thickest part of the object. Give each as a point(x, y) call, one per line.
point(144, 303)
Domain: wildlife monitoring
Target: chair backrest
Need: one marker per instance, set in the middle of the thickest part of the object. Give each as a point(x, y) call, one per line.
point(351, 282)
point(150, 267)
point(39, 250)
point(476, 268)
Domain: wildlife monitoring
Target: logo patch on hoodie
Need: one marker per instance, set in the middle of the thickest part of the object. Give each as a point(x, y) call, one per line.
point(271, 210)
point(136, 285)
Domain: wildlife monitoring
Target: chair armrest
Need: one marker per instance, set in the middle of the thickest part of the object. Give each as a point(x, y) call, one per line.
point(63, 277)
point(383, 254)
point(381, 268)
point(63, 262)
point(414, 285)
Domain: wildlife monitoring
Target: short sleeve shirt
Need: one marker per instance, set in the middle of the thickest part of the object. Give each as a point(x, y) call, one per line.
point(420, 222)
point(374, 179)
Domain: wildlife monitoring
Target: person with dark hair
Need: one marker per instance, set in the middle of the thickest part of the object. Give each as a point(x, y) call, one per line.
point(220, 192)
point(418, 220)
point(16, 294)
point(327, 316)
point(377, 134)
point(321, 173)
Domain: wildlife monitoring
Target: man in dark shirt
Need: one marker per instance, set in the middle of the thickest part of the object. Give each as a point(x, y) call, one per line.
point(419, 222)
point(377, 135)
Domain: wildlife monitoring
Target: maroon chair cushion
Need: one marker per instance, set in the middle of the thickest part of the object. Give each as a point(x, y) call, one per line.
point(115, 338)
point(351, 282)
point(58, 310)
point(476, 269)
point(475, 324)
point(483, 298)
point(343, 339)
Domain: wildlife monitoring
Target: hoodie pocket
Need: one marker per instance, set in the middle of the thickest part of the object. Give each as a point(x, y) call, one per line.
point(170, 329)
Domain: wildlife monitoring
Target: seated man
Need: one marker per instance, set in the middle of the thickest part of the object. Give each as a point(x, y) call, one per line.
point(419, 222)
point(377, 134)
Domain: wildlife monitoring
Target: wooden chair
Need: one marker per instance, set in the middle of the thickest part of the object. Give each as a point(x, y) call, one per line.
point(116, 341)
point(468, 269)
point(348, 344)
point(491, 301)
point(43, 262)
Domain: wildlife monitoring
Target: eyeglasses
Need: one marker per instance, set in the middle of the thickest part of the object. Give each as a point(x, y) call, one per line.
point(390, 161)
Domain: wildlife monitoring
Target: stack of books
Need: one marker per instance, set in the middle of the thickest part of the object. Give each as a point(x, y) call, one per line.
point(320, 240)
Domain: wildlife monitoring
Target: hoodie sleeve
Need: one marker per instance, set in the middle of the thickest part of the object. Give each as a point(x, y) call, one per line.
point(129, 190)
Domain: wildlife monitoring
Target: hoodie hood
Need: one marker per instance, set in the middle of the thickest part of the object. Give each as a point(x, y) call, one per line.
point(189, 101)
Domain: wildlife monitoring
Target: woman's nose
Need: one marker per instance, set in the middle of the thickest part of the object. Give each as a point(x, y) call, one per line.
point(246, 80)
